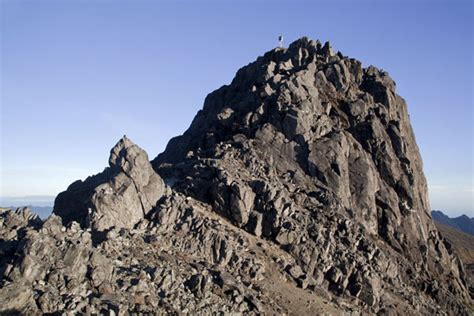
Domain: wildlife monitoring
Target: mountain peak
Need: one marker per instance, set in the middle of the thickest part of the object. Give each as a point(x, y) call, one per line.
point(120, 150)
point(306, 137)
point(463, 222)
point(299, 179)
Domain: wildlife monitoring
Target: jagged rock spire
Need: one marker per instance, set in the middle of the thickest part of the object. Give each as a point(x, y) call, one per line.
point(118, 197)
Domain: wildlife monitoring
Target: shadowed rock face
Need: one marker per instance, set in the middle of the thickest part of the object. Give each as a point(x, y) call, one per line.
point(298, 188)
point(118, 197)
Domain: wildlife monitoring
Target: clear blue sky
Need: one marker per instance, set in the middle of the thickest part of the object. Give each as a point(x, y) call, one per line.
point(77, 75)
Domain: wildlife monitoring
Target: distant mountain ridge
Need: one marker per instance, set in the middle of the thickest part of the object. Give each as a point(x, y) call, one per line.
point(17, 201)
point(462, 223)
point(42, 211)
point(41, 205)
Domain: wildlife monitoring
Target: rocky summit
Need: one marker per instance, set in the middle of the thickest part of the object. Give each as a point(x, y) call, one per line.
point(297, 189)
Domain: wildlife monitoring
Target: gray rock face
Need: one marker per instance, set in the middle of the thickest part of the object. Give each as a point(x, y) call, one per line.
point(328, 152)
point(297, 189)
point(119, 197)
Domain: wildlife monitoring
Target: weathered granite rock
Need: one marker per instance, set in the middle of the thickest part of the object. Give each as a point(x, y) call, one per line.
point(335, 172)
point(118, 197)
point(297, 189)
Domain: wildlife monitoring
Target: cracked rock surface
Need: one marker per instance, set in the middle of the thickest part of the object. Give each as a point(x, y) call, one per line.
point(120, 196)
point(297, 189)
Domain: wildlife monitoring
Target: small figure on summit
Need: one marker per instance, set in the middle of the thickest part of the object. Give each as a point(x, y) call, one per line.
point(280, 41)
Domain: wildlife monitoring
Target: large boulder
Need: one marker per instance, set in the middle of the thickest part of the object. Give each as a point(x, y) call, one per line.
point(119, 197)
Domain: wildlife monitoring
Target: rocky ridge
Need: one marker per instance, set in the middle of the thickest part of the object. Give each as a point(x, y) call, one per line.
point(462, 223)
point(298, 188)
point(462, 245)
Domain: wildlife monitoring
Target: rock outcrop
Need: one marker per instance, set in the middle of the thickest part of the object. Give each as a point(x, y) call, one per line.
point(118, 197)
point(327, 152)
point(298, 188)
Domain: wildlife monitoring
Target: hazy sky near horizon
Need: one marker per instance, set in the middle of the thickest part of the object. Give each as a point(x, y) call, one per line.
point(77, 75)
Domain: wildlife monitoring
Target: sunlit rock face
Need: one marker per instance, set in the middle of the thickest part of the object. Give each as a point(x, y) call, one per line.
point(118, 197)
point(308, 149)
point(297, 189)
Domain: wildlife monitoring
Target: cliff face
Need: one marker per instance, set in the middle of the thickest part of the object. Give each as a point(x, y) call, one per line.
point(311, 151)
point(335, 127)
point(301, 180)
